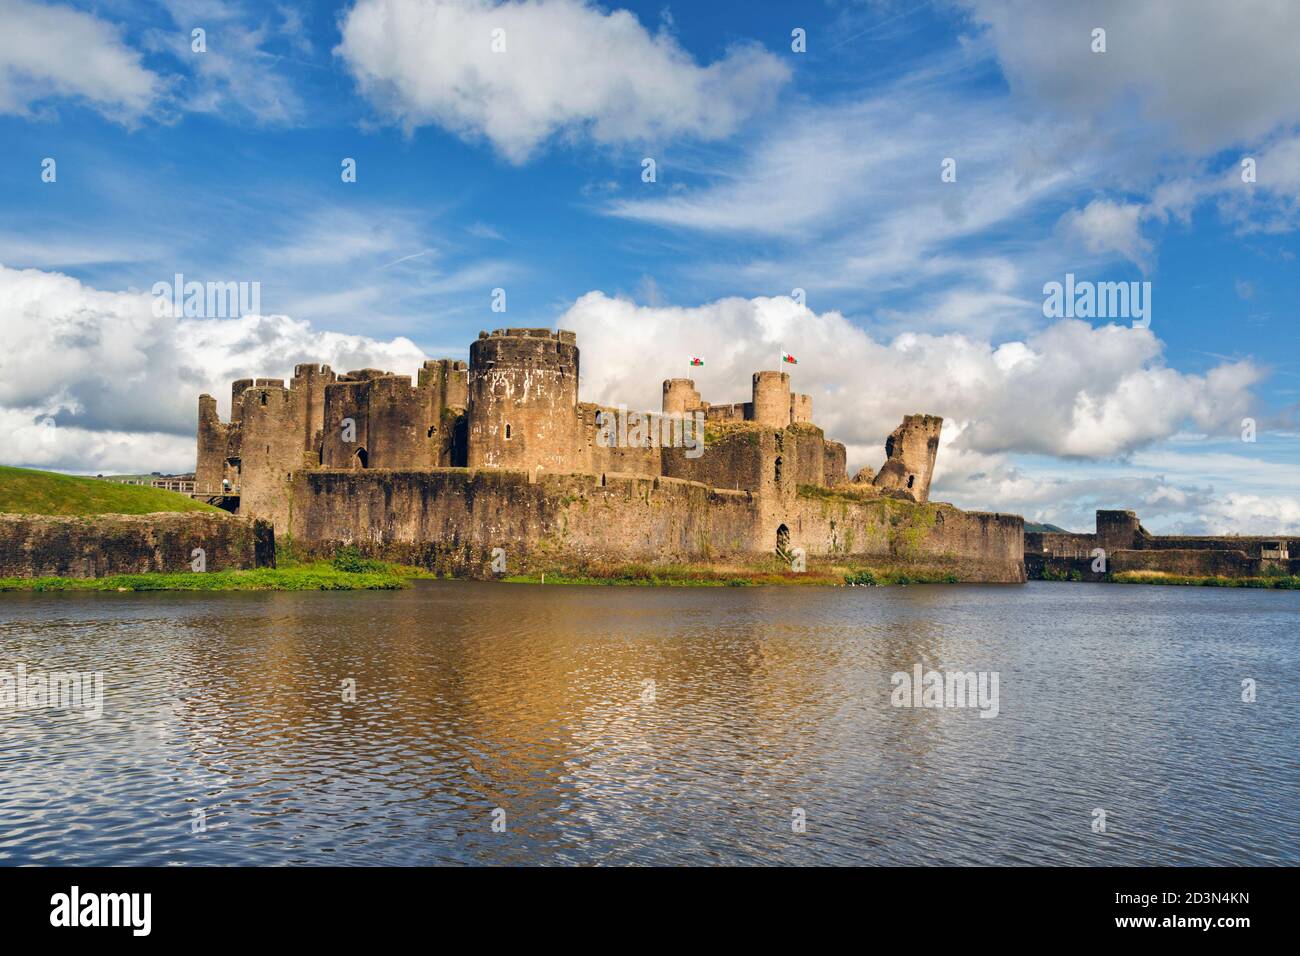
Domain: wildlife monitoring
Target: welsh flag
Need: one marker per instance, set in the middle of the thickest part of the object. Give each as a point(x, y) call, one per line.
point(697, 361)
point(789, 359)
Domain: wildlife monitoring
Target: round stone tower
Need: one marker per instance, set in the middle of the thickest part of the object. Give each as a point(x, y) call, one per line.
point(523, 400)
point(772, 399)
point(680, 396)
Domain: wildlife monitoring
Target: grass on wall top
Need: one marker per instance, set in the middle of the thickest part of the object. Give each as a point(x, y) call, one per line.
point(24, 491)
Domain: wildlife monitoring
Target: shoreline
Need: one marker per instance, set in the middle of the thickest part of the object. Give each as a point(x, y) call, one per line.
point(350, 572)
point(313, 576)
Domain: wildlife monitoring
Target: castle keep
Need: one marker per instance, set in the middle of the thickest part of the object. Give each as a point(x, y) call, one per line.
point(502, 453)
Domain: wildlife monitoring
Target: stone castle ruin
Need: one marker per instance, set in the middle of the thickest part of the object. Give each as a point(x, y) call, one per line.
point(501, 453)
point(1127, 546)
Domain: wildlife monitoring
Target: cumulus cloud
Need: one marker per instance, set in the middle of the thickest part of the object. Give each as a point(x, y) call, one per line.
point(1104, 226)
point(94, 380)
point(55, 51)
point(567, 68)
point(1069, 390)
point(1174, 488)
point(1212, 74)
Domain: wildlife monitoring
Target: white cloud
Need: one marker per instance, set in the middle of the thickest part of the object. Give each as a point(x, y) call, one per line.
point(1070, 390)
point(1174, 487)
point(55, 51)
point(121, 384)
point(568, 68)
point(94, 381)
point(236, 74)
point(1104, 226)
point(1209, 73)
point(848, 199)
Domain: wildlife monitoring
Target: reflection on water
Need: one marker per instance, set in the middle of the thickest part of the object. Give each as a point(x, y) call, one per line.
point(539, 700)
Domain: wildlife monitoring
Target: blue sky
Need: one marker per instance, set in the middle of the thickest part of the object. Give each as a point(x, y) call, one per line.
point(776, 170)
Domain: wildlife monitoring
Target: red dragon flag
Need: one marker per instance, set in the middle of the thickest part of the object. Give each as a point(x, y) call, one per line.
point(697, 361)
point(789, 359)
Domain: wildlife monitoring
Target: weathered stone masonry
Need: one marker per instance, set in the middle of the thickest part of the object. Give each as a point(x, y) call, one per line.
point(1130, 547)
point(99, 545)
point(502, 453)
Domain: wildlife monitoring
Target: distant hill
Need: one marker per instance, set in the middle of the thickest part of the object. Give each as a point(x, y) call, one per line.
point(24, 491)
point(1034, 526)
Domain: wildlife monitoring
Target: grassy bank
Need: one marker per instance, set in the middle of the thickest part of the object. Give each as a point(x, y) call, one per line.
point(24, 491)
point(721, 574)
point(1284, 582)
point(348, 571)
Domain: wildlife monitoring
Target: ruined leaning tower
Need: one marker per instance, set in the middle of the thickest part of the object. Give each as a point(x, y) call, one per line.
point(910, 452)
point(523, 400)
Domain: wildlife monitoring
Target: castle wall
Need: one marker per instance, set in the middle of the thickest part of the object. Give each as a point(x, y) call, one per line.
point(981, 546)
point(72, 547)
point(1130, 547)
point(735, 459)
point(739, 412)
point(309, 382)
point(346, 399)
point(597, 458)
point(459, 515)
point(451, 519)
point(834, 464)
point(804, 451)
point(447, 384)
point(401, 425)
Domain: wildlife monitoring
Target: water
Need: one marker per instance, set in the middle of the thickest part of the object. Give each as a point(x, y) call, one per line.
point(472, 697)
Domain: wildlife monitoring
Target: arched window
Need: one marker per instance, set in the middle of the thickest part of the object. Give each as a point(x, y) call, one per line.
point(507, 431)
point(782, 539)
point(778, 469)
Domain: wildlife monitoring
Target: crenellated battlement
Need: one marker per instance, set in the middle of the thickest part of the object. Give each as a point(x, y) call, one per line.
point(514, 406)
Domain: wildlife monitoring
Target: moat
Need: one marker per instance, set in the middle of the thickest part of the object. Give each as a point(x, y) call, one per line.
point(665, 726)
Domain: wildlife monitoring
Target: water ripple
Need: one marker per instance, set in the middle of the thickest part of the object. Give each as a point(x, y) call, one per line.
point(654, 727)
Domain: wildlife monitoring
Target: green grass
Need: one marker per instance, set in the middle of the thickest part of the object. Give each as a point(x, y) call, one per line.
point(1283, 581)
point(23, 491)
point(742, 573)
point(315, 576)
point(868, 578)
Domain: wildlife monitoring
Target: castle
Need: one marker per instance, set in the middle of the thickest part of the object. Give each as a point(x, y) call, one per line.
point(1127, 546)
point(502, 453)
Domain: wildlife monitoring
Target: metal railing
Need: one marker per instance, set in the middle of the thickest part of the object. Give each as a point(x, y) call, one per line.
point(184, 486)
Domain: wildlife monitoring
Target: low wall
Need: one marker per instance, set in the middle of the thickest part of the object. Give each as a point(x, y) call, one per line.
point(451, 519)
point(1194, 563)
point(95, 546)
point(1182, 561)
point(980, 546)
